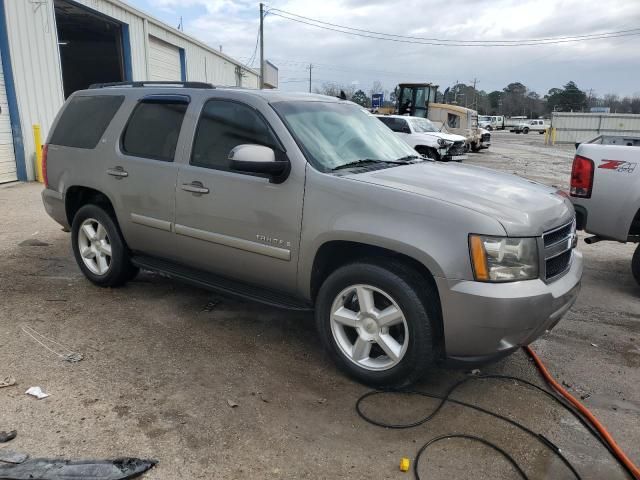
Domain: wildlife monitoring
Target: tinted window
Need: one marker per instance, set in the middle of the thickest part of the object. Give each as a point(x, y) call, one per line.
point(395, 124)
point(153, 130)
point(223, 126)
point(84, 120)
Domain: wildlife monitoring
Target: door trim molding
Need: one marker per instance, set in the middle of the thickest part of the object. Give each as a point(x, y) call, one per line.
point(234, 242)
point(151, 222)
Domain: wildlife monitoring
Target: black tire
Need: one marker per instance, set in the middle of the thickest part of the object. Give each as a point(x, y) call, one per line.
point(416, 297)
point(635, 264)
point(429, 153)
point(475, 147)
point(489, 128)
point(525, 130)
point(120, 269)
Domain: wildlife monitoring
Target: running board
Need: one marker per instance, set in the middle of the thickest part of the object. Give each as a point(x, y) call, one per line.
point(213, 282)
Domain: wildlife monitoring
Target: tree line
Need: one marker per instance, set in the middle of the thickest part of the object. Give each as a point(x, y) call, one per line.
point(513, 100)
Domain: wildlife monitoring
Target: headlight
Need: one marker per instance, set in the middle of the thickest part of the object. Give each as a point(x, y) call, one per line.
point(502, 259)
point(442, 142)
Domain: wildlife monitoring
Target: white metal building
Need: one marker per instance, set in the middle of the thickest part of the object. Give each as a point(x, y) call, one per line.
point(581, 127)
point(51, 48)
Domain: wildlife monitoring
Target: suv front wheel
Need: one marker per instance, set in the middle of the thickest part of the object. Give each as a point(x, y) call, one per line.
point(99, 248)
point(377, 322)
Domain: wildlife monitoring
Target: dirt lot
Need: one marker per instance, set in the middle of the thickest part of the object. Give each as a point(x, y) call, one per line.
point(161, 364)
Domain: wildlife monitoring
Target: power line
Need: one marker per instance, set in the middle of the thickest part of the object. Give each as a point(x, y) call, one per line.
point(568, 37)
point(449, 43)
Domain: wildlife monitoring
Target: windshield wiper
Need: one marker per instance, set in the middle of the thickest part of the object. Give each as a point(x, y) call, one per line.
point(358, 163)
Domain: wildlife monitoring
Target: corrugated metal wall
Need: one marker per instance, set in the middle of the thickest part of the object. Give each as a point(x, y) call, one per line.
point(581, 127)
point(36, 62)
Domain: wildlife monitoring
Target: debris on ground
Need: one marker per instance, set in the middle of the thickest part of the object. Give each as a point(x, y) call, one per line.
point(594, 345)
point(404, 464)
point(7, 382)
point(7, 436)
point(55, 469)
point(9, 456)
point(211, 305)
point(322, 401)
point(51, 345)
point(33, 242)
point(36, 392)
point(231, 403)
point(475, 371)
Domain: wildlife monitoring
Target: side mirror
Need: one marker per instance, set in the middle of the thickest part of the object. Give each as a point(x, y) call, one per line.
point(406, 130)
point(258, 159)
point(577, 144)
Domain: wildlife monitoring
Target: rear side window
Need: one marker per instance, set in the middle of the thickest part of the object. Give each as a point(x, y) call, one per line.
point(153, 129)
point(84, 120)
point(223, 126)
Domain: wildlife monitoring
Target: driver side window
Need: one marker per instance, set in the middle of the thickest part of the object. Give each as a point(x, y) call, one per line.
point(224, 125)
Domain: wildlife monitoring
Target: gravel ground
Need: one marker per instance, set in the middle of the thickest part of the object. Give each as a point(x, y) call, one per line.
point(162, 362)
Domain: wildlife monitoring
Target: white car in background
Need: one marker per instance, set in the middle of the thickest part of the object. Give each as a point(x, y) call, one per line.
point(425, 138)
point(530, 126)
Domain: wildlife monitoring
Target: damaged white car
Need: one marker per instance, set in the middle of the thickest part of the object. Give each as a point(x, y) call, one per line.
point(425, 138)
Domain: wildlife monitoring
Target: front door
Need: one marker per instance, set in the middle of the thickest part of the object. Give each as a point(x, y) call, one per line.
point(236, 224)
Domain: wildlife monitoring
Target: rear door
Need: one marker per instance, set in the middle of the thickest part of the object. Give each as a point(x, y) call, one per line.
point(142, 174)
point(234, 224)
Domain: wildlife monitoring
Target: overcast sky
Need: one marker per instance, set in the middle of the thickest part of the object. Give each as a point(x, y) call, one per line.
point(606, 66)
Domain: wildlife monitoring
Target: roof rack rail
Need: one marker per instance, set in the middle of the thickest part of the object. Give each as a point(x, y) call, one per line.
point(152, 83)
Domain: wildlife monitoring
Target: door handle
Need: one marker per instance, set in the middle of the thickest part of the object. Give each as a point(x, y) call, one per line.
point(117, 172)
point(195, 188)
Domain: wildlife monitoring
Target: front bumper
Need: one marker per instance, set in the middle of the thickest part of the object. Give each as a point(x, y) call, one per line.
point(483, 321)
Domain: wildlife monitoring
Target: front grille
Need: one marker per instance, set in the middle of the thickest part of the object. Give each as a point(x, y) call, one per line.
point(457, 148)
point(558, 264)
point(486, 137)
point(558, 244)
point(556, 236)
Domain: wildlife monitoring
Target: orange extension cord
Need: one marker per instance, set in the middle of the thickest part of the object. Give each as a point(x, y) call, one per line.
point(635, 471)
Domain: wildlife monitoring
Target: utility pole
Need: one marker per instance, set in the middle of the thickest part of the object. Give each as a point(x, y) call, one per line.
point(475, 94)
point(261, 45)
point(310, 68)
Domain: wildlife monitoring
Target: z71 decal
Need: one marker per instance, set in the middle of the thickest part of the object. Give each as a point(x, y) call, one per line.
point(618, 165)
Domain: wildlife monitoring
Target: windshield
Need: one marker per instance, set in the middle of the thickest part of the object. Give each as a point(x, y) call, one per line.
point(332, 134)
point(421, 125)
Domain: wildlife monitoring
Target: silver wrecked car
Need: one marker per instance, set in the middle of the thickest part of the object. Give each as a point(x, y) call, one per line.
point(308, 202)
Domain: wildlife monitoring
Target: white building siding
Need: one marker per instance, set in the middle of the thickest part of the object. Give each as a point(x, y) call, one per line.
point(7, 158)
point(36, 66)
point(164, 61)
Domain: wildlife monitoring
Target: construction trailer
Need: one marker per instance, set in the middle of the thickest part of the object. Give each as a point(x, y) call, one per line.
point(51, 48)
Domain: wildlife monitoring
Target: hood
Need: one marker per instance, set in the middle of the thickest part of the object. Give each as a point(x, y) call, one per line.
point(523, 207)
point(444, 135)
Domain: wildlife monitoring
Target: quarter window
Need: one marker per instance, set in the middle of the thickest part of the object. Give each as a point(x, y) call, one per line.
point(84, 120)
point(153, 129)
point(223, 126)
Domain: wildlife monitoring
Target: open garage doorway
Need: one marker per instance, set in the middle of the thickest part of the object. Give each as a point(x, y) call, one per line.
point(93, 47)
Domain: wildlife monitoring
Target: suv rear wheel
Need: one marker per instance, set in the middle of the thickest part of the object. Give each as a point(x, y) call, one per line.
point(635, 264)
point(525, 130)
point(377, 321)
point(99, 248)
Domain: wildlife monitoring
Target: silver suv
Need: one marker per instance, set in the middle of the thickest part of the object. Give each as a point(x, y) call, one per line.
point(309, 202)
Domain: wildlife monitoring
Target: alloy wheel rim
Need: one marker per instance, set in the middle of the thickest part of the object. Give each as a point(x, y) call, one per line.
point(369, 327)
point(95, 246)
